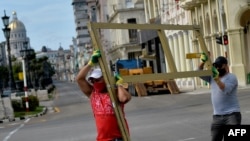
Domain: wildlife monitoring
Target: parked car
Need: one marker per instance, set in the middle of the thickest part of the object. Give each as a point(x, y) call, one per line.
point(6, 93)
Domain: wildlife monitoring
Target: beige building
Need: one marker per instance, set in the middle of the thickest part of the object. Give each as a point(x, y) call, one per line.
point(168, 12)
point(122, 44)
point(216, 18)
point(63, 64)
point(220, 17)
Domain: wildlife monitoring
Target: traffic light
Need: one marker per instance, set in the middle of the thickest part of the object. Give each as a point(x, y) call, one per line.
point(225, 39)
point(219, 40)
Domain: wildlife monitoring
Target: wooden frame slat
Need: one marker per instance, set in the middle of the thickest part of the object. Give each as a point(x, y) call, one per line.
point(110, 80)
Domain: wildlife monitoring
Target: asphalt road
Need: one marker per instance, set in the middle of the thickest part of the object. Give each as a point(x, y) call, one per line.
point(180, 117)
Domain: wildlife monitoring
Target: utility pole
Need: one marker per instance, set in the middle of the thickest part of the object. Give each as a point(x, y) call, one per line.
point(25, 85)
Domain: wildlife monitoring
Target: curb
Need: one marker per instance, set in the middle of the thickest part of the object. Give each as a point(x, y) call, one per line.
point(206, 90)
point(45, 109)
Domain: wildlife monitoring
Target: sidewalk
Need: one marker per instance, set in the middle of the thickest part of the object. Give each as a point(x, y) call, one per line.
point(45, 109)
point(48, 108)
point(198, 90)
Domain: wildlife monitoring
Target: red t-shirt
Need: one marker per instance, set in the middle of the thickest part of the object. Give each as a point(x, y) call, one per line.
point(106, 122)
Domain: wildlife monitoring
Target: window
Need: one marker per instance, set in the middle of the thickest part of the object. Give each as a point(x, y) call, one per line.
point(107, 16)
point(93, 13)
point(132, 33)
point(131, 55)
point(129, 4)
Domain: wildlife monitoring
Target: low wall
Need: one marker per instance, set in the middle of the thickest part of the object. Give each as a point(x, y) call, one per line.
point(8, 111)
point(42, 95)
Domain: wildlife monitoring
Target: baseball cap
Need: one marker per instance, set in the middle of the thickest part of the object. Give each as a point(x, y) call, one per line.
point(95, 73)
point(219, 61)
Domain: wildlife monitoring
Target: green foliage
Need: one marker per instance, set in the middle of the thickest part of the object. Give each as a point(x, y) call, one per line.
point(33, 102)
point(17, 105)
point(17, 67)
point(20, 105)
point(51, 88)
point(32, 55)
point(24, 113)
point(3, 72)
point(13, 58)
point(4, 76)
point(39, 65)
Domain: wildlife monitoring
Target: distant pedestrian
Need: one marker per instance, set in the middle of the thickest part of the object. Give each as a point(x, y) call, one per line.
point(224, 85)
point(94, 87)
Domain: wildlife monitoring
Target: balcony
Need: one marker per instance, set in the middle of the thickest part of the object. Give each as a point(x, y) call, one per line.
point(190, 4)
point(146, 35)
point(133, 36)
point(137, 1)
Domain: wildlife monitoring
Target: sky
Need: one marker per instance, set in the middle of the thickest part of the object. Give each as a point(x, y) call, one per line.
point(48, 23)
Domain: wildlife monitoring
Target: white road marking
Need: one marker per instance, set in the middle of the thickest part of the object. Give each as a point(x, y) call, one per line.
point(188, 139)
point(14, 131)
point(27, 120)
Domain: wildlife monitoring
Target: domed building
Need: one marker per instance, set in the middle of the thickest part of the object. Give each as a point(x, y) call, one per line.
point(17, 36)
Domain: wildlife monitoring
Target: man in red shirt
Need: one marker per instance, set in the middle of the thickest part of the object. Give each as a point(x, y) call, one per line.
point(94, 87)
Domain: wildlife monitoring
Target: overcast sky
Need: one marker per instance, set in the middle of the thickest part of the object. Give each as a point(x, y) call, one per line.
point(47, 22)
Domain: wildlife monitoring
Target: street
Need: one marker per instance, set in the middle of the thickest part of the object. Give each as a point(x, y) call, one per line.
point(180, 117)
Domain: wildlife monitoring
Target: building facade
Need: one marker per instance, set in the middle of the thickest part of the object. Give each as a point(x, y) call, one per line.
point(215, 17)
point(81, 16)
point(224, 17)
point(17, 36)
point(214, 20)
point(123, 44)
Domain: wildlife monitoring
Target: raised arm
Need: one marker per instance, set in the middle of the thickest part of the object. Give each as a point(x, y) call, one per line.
point(215, 72)
point(85, 87)
point(123, 95)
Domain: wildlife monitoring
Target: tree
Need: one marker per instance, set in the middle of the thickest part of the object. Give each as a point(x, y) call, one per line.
point(17, 68)
point(4, 76)
point(42, 71)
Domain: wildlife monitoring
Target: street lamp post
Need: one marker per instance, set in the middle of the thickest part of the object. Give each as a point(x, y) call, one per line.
point(6, 31)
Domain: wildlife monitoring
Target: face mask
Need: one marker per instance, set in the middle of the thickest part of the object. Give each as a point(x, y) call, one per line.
point(222, 72)
point(99, 87)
